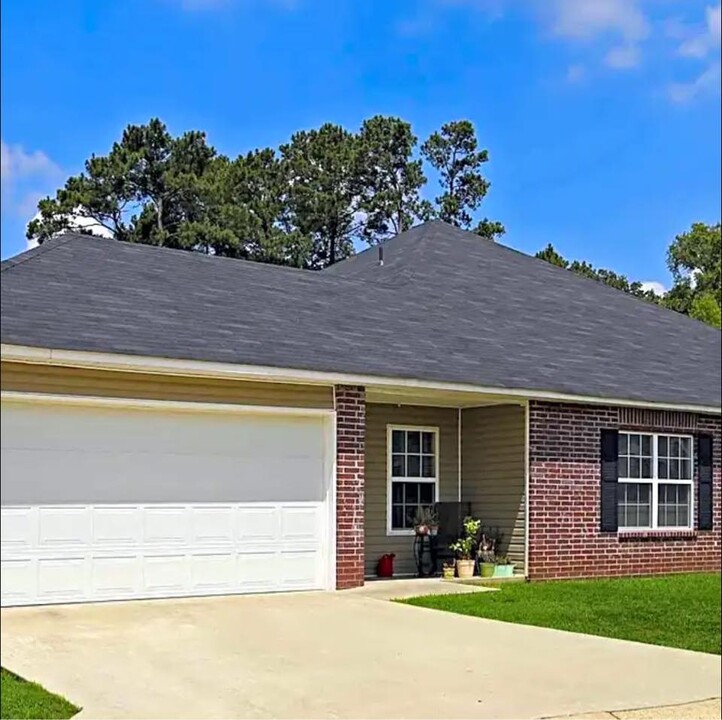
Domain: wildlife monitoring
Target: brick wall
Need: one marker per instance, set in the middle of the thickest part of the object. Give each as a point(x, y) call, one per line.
point(564, 498)
point(350, 437)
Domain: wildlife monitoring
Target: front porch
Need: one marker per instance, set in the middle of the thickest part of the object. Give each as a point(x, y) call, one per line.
point(418, 453)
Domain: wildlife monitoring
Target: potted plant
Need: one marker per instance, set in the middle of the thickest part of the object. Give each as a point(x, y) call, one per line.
point(425, 521)
point(504, 567)
point(487, 555)
point(464, 547)
point(448, 570)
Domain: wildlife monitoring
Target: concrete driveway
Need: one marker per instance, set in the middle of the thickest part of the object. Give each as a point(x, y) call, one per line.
point(333, 655)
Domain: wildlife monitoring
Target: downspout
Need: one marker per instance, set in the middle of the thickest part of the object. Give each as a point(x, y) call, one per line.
point(526, 489)
point(458, 455)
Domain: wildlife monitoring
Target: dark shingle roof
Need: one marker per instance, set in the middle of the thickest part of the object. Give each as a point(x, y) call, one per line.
point(445, 306)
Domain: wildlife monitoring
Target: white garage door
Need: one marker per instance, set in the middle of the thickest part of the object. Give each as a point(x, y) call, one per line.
point(103, 503)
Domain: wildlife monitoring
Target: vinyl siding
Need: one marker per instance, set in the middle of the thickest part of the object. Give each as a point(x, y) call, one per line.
point(378, 417)
point(51, 379)
point(492, 456)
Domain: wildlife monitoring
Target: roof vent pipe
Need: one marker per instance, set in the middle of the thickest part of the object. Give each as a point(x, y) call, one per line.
point(381, 255)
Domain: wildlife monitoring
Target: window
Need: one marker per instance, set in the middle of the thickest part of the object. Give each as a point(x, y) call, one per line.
point(412, 474)
point(655, 481)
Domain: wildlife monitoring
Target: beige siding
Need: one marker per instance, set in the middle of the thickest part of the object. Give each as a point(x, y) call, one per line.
point(378, 417)
point(492, 455)
point(105, 383)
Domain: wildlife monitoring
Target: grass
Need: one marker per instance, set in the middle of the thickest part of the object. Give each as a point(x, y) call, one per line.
point(681, 611)
point(22, 699)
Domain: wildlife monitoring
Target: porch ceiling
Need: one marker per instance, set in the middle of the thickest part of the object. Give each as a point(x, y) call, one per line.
point(436, 398)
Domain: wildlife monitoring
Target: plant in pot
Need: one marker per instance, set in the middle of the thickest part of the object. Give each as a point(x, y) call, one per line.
point(425, 521)
point(464, 548)
point(504, 567)
point(487, 555)
point(448, 570)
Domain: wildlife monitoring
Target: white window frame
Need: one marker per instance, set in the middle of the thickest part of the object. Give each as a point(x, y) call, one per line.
point(655, 481)
point(390, 479)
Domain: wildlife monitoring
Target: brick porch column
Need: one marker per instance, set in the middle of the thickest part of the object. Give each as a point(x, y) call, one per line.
point(350, 438)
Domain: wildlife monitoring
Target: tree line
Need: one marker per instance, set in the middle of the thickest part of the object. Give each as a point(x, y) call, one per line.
point(308, 202)
point(694, 259)
point(303, 204)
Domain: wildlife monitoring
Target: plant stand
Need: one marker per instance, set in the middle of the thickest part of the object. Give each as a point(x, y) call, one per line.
point(425, 555)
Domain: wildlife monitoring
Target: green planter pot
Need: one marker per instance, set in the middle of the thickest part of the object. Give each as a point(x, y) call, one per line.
point(487, 569)
point(503, 571)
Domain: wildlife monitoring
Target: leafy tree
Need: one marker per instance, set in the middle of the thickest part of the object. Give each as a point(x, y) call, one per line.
point(695, 260)
point(453, 152)
point(706, 308)
point(490, 229)
point(391, 178)
point(324, 191)
point(144, 190)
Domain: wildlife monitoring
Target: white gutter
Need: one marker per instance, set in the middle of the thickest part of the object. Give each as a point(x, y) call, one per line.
point(202, 368)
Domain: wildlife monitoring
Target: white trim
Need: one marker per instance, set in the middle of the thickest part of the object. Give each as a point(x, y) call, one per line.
point(390, 531)
point(145, 404)
point(458, 453)
point(526, 489)
point(332, 489)
point(202, 368)
point(656, 481)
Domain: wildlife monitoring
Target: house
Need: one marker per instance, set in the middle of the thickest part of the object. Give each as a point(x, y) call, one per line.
point(177, 424)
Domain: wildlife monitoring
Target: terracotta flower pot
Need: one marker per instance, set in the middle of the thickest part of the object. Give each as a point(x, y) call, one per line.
point(465, 568)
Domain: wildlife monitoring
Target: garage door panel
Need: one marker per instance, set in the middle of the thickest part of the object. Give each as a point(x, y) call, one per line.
point(257, 571)
point(66, 527)
point(18, 580)
point(117, 526)
point(213, 572)
point(19, 529)
point(116, 576)
point(61, 578)
point(102, 503)
point(212, 525)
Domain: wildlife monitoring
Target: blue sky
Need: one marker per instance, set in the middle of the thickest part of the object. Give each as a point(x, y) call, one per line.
point(602, 117)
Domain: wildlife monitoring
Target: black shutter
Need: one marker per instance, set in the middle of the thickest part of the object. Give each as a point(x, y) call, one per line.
point(610, 475)
point(704, 464)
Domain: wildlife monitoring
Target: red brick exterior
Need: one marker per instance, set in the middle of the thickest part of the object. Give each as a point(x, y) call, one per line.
point(350, 438)
point(565, 539)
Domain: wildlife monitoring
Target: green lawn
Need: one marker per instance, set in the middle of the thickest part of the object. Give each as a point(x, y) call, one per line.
point(22, 699)
point(676, 610)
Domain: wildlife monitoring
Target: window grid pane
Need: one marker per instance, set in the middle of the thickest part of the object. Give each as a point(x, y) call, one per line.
point(674, 458)
point(407, 497)
point(674, 505)
point(634, 505)
point(635, 456)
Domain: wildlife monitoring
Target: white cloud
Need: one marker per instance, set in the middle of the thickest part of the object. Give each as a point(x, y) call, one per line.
point(17, 163)
point(707, 82)
point(587, 19)
point(705, 40)
point(701, 43)
point(27, 176)
point(654, 286)
point(622, 57)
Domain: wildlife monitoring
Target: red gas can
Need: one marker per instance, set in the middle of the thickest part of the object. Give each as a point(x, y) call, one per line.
point(385, 567)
